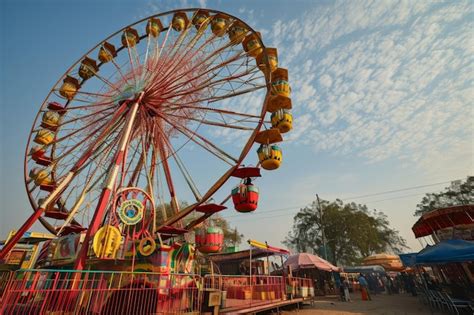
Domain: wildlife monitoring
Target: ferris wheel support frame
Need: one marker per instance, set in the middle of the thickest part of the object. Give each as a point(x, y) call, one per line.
point(107, 190)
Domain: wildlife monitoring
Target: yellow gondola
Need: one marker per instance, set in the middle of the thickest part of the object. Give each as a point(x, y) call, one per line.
point(219, 24)
point(237, 32)
point(154, 27)
point(280, 85)
point(50, 120)
point(107, 52)
point(130, 37)
point(41, 177)
point(283, 120)
point(252, 44)
point(270, 156)
point(180, 21)
point(272, 55)
point(88, 68)
point(44, 137)
point(69, 87)
point(201, 20)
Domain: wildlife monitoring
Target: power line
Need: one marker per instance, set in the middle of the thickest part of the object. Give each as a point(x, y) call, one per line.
point(398, 190)
point(241, 218)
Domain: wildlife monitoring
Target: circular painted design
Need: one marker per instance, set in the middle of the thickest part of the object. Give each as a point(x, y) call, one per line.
point(147, 246)
point(130, 211)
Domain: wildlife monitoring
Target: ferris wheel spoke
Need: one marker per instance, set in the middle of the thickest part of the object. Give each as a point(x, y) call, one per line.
point(204, 85)
point(182, 168)
point(105, 130)
point(119, 70)
point(83, 128)
point(83, 143)
point(135, 174)
point(107, 82)
point(204, 143)
point(178, 107)
point(204, 61)
point(138, 165)
point(169, 181)
point(131, 58)
point(205, 67)
point(145, 62)
point(213, 123)
point(106, 150)
point(157, 60)
point(89, 106)
point(103, 112)
point(88, 186)
point(179, 41)
point(81, 92)
point(178, 61)
point(148, 173)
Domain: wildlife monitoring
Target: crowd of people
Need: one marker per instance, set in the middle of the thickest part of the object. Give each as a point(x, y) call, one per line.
point(373, 284)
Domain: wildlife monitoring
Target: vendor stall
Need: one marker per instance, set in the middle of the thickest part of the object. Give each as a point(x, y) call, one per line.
point(320, 271)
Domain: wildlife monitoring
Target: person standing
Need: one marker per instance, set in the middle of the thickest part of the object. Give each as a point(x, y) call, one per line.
point(364, 287)
point(345, 284)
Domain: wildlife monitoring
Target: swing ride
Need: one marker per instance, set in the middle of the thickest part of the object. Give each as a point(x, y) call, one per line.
point(115, 142)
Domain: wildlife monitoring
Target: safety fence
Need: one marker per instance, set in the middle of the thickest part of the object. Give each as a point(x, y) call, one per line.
point(5, 276)
point(90, 292)
point(55, 292)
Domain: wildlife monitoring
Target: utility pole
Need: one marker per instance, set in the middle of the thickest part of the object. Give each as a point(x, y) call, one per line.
point(323, 235)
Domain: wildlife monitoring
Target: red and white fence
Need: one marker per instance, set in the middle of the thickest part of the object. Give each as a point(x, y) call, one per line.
point(55, 292)
point(300, 287)
point(90, 292)
point(5, 276)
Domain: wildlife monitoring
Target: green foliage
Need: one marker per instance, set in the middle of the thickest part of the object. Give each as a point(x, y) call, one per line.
point(231, 236)
point(459, 193)
point(352, 232)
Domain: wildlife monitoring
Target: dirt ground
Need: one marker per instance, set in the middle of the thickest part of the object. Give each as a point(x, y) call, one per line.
point(399, 304)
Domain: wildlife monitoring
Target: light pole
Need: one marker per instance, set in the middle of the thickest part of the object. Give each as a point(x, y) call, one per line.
point(323, 235)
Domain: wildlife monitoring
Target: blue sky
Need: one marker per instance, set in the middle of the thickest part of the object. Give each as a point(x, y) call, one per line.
point(382, 96)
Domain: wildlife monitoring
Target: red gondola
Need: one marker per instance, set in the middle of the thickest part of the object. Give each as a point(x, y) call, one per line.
point(209, 240)
point(245, 197)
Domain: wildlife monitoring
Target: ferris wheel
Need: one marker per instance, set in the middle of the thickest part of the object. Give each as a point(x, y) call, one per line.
point(121, 135)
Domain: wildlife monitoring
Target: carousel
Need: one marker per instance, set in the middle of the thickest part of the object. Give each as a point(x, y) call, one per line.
point(116, 143)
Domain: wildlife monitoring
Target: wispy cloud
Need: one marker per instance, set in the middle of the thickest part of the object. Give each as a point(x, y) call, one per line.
point(383, 79)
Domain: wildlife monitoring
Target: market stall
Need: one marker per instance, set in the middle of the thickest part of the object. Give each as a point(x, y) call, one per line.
point(314, 267)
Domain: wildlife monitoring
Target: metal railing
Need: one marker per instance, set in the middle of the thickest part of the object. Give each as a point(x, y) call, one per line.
point(100, 292)
point(5, 276)
point(114, 292)
point(241, 291)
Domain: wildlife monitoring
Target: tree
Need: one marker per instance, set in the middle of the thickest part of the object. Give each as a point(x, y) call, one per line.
point(351, 231)
point(231, 236)
point(458, 193)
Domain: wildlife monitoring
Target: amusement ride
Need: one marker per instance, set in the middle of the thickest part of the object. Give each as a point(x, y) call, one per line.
point(120, 134)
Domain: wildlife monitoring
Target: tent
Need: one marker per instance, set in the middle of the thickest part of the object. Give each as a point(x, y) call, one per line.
point(409, 259)
point(389, 262)
point(448, 251)
point(307, 261)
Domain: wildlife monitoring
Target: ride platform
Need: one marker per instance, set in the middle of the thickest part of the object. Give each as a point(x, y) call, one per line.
point(260, 306)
